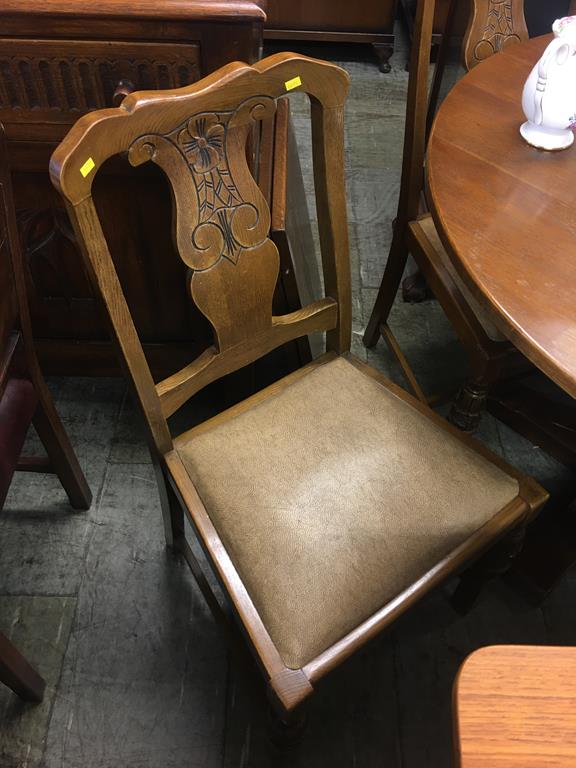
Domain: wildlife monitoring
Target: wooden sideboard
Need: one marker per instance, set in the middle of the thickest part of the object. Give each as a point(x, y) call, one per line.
point(58, 60)
point(368, 21)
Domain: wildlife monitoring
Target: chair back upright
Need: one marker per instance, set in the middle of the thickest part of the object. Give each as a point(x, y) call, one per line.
point(197, 135)
point(412, 181)
point(16, 344)
point(8, 302)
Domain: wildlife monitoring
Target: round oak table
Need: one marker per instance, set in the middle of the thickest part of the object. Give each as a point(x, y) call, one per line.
point(506, 212)
point(515, 707)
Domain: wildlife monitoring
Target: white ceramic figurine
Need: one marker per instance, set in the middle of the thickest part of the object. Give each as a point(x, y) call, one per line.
point(549, 97)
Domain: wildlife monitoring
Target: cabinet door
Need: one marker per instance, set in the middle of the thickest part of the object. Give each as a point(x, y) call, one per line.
point(332, 15)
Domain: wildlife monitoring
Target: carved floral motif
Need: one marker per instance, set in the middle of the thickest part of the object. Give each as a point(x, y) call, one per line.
point(224, 221)
point(203, 142)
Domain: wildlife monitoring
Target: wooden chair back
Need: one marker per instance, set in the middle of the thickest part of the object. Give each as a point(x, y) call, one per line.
point(412, 181)
point(493, 25)
point(198, 135)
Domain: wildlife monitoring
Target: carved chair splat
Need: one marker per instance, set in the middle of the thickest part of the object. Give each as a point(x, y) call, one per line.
point(493, 25)
point(262, 454)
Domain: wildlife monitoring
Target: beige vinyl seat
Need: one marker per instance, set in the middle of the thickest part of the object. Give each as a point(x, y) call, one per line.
point(324, 537)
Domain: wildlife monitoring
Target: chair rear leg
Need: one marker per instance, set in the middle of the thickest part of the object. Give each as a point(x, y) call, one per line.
point(496, 562)
point(17, 674)
point(64, 462)
point(172, 511)
point(393, 272)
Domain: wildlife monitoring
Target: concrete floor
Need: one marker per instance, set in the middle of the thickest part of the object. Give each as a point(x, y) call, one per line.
point(138, 674)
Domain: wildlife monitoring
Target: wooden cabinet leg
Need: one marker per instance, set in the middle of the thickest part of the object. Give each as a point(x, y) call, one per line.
point(415, 288)
point(384, 51)
point(17, 674)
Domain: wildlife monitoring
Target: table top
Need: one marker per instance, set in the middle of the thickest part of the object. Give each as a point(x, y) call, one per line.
point(506, 212)
point(515, 707)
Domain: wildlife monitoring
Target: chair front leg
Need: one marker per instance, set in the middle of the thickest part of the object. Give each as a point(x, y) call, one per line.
point(287, 730)
point(57, 444)
point(17, 674)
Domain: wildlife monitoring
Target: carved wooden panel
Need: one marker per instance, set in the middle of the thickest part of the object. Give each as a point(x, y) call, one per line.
point(75, 77)
point(494, 25)
point(222, 220)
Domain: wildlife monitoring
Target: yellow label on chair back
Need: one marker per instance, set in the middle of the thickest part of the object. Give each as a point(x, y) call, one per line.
point(87, 167)
point(294, 83)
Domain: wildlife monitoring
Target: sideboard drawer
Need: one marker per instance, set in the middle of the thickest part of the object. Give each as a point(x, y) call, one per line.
point(43, 78)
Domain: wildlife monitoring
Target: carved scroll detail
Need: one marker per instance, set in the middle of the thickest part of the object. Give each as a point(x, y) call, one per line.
point(222, 220)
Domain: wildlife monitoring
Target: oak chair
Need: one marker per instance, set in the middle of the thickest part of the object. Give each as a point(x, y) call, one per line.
point(25, 400)
point(304, 496)
point(492, 26)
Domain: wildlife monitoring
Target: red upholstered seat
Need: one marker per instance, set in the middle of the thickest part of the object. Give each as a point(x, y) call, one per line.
point(17, 407)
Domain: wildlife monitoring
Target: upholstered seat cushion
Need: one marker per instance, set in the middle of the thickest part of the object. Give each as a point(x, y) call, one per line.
point(332, 496)
point(483, 315)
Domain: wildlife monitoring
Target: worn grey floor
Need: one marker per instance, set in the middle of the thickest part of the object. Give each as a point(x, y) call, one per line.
point(138, 674)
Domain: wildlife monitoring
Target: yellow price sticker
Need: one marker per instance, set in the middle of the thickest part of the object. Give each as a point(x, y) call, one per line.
point(88, 166)
point(294, 83)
